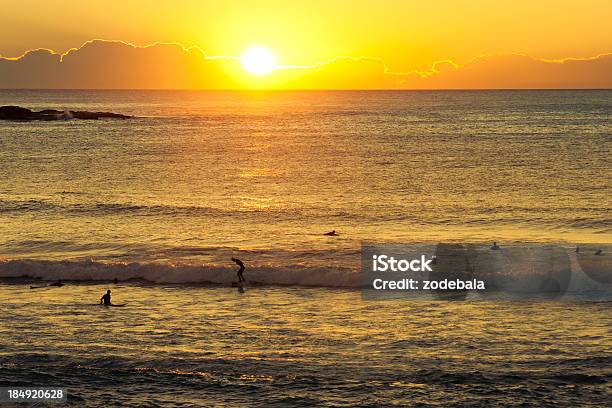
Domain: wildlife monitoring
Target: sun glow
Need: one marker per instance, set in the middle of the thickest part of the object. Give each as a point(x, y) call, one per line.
point(258, 61)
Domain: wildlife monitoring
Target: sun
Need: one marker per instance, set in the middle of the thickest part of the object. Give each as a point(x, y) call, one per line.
point(258, 61)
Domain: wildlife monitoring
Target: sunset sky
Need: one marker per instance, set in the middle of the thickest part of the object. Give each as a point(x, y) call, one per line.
point(391, 37)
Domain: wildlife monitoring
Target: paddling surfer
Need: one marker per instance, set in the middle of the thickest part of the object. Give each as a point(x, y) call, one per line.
point(57, 284)
point(240, 271)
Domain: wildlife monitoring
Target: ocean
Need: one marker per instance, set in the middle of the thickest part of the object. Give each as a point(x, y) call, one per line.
point(161, 202)
point(176, 345)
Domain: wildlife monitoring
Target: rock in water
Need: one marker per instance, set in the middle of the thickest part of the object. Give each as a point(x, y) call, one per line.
point(15, 113)
point(23, 114)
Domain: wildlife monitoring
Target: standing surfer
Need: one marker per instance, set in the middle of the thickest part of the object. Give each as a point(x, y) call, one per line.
point(240, 271)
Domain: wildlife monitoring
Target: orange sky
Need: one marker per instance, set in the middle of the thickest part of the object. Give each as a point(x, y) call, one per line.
point(395, 37)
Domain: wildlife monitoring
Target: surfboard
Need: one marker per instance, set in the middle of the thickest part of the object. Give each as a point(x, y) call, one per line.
point(247, 283)
point(113, 305)
point(47, 286)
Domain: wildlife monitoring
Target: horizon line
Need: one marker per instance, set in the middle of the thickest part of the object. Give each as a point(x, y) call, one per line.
point(306, 89)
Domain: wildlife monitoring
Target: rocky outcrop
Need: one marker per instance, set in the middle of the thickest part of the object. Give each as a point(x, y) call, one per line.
point(23, 114)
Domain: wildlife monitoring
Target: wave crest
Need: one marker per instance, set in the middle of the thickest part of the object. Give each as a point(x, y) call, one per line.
point(176, 273)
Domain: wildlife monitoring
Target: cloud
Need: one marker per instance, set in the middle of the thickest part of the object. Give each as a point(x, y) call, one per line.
point(515, 71)
point(101, 64)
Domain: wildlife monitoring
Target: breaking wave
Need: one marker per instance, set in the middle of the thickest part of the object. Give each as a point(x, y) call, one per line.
point(176, 273)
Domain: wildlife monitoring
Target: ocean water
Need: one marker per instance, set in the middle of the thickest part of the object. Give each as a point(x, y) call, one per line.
point(200, 176)
point(162, 201)
point(174, 345)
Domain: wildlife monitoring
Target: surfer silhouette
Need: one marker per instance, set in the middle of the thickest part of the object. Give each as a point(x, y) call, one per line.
point(241, 270)
point(106, 299)
point(495, 246)
point(331, 233)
